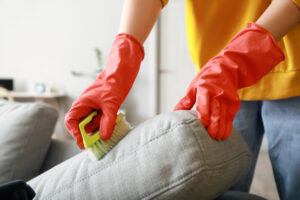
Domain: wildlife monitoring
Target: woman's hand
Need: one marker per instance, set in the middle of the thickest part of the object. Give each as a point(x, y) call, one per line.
point(109, 90)
point(245, 60)
point(251, 54)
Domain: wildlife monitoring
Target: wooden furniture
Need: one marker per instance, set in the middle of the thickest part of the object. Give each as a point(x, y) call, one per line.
point(4, 93)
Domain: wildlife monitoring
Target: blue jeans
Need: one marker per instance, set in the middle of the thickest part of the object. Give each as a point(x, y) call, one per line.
point(280, 120)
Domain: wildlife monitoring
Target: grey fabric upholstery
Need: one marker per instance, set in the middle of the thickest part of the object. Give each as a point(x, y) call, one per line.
point(25, 132)
point(167, 157)
point(59, 151)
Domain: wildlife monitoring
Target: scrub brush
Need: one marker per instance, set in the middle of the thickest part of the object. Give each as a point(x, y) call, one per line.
point(97, 147)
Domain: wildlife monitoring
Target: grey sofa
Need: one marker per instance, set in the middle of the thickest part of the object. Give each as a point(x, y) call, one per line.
point(167, 157)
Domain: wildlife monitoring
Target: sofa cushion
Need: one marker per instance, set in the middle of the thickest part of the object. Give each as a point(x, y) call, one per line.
point(25, 132)
point(170, 156)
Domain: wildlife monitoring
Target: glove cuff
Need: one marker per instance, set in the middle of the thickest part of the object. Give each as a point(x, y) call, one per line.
point(132, 39)
point(251, 54)
point(257, 27)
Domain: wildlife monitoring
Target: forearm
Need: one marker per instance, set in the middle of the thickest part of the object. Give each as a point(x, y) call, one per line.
point(280, 17)
point(138, 17)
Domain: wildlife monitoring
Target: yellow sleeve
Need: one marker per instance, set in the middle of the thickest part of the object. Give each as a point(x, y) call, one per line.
point(164, 2)
point(297, 2)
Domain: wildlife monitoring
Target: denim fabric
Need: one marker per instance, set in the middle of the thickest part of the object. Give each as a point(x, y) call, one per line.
point(280, 120)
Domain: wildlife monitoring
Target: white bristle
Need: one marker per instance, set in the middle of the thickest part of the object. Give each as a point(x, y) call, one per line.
point(91, 154)
point(101, 147)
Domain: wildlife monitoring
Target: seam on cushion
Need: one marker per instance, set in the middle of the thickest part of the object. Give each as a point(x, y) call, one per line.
point(182, 122)
point(24, 147)
point(248, 167)
point(209, 167)
point(197, 138)
point(163, 133)
point(195, 133)
point(191, 175)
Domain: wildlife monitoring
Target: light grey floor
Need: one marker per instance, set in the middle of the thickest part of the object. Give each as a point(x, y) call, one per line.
point(263, 183)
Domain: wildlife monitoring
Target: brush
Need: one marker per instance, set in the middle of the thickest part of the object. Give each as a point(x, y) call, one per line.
point(97, 147)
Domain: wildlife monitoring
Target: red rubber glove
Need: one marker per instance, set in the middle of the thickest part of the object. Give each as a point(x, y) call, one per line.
point(246, 59)
point(109, 90)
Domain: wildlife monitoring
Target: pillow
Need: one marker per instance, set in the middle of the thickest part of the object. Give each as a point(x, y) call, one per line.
point(170, 156)
point(25, 132)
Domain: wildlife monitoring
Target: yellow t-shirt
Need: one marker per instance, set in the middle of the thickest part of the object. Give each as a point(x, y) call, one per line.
point(212, 24)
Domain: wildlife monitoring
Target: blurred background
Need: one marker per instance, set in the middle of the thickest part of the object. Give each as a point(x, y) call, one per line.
point(47, 48)
point(42, 42)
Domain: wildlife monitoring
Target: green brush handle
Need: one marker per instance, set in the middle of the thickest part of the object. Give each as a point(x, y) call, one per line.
point(88, 141)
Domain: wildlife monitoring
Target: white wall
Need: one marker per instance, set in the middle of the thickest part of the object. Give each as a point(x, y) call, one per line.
point(176, 67)
point(43, 40)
